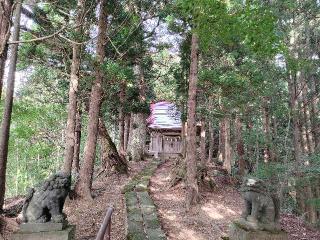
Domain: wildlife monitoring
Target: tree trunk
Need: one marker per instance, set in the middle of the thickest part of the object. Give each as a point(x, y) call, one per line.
point(76, 156)
point(83, 186)
point(6, 120)
point(240, 146)
point(295, 118)
point(122, 96)
point(203, 154)
point(5, 15)
point(314, 115)
point(137, 137)
point(306, 117)
point(191, 177)
point(139, 125)
point(211, 142)
point(110, 156)
point(227, 146)
point(126, 131)
point(73, 91)
point(267, 130)
point(222, 136)
point(183, 140)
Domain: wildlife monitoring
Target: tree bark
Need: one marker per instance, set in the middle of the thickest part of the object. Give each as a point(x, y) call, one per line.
point(306, 117)
point(110, 156)
point(127, 131)
point(139, 125)
point(191, 177)
point(83, 186)
point(122, 96)
point(227, 146)
point(203, 153)
point(73, 91)
point(240, 146)
point(295, 118)
point(222, 136)
point(267, 151)
point(76, 156)
point(211, 142)
point(314, 114)
point(6, 119)
point(137, 137)
point(183, 139)
point(5, 19)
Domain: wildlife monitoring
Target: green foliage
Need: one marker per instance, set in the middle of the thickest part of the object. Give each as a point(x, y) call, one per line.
point(36, 144)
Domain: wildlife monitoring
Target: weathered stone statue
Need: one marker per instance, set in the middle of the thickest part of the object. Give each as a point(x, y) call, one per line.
point(42, 211)
point(262, 208)
point(45, 203)
point(260, 218)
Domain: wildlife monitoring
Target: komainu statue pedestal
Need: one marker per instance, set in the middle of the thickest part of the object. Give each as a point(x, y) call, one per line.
point(42, 215)
point(241, 232)
point(260, 217)
point(45, 231)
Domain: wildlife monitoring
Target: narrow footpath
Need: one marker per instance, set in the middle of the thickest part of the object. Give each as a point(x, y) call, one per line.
point(210, 219)
point(207, 221)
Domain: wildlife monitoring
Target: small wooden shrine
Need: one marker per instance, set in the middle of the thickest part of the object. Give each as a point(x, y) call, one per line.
point(164, 125)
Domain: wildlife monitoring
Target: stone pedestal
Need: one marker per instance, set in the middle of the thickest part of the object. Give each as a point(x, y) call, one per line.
point(45, 231)
point(239, 232)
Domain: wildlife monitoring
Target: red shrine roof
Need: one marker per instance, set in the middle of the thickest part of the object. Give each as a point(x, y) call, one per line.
point(164, 115)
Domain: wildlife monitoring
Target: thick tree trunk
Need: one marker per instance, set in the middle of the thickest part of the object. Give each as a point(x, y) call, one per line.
point(5, 15)
point(122, 96)
point(191, 177)
point(126, 131)
point(83, 186)
point(76, 156)
point(227, 146)
point(240, 146)
point(73, 91)
point(110, 156)
point(137, 137)
point(211, 142)
point(6, 119)
point(139, 125)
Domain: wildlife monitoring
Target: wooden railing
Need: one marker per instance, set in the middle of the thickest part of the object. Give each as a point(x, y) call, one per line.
point(105, 229)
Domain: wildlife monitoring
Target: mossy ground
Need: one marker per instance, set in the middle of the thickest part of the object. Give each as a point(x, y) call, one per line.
point(142, 217)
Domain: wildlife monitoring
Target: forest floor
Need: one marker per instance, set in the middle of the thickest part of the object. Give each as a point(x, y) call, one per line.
point(210, 219)
point(88, 215)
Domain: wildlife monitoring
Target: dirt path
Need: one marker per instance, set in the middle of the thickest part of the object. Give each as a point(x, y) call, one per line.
point(209, 220)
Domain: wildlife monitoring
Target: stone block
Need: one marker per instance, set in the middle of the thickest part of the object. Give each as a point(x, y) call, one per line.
point(156, 234)
point(237, 232)
point(42, 227)
point(135, 231)
point(67, 234)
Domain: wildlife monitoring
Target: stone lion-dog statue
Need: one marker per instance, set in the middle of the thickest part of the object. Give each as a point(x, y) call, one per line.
point(262, 207)
point(45, 202)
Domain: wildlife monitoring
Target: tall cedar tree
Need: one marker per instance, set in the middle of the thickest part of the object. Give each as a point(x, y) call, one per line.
point(83, 186)
point(5, 18)
point(191, 162)
point(6, 119)
point(73, 90)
